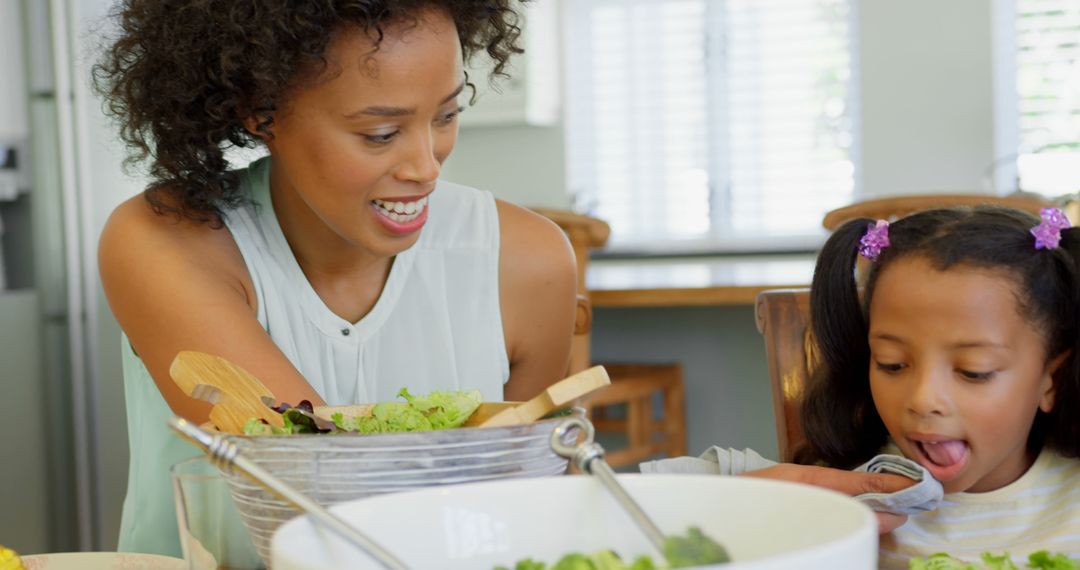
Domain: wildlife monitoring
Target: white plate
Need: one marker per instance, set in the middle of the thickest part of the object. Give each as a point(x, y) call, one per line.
point(765, 525)
point(101, 561)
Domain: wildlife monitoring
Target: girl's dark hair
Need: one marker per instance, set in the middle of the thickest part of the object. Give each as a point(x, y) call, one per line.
point(183, 74)
point(842, 426)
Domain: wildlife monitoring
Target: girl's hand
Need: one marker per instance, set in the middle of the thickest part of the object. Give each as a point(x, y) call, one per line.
point(850, 483)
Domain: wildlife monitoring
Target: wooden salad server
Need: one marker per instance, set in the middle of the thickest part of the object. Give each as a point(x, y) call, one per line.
point(236, 394)
point(557, 395)
point(494, 414)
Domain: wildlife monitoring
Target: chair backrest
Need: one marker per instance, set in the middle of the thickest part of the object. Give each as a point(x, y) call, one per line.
point(783, 318)
point(584, 233)
point(895, 207)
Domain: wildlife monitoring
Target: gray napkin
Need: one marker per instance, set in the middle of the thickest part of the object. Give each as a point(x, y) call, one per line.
point(921, 497)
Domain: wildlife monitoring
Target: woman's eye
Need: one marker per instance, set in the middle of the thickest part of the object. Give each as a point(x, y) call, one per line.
point(889, 367)
point(381, 138)
point(976, 376)
point(451, 116)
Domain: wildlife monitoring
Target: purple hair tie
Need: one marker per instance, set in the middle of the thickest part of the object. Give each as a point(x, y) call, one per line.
point(1048, 232)
point(875, 240)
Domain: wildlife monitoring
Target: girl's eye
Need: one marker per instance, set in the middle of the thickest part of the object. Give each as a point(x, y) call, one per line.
point(381, 138)
point(976, 376)
point(451, 116)
point(889, 368)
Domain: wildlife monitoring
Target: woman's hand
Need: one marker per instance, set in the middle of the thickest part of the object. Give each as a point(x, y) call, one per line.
point(847, 482)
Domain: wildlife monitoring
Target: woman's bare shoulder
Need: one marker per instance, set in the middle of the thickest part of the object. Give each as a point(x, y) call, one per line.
point(523, 231)
point(136, 234)
point(175, 284)
point(538, 286)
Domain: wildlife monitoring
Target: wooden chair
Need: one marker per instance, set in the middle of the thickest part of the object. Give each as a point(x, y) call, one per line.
point(895, 207)
point(783, 318)
point(634, 386)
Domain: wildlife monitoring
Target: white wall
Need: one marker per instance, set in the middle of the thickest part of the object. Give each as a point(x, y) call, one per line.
point(925, 75)
point(522, 164)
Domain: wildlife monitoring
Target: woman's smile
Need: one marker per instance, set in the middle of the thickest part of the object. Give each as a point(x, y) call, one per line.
point(401, 216)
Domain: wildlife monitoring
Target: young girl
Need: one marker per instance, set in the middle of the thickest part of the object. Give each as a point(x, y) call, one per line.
point(961, 353)
point(340, 268)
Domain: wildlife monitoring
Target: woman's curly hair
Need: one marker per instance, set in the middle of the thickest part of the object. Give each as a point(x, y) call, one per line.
point(183, 74)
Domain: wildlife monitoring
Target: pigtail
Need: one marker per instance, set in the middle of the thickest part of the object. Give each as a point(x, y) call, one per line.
point(1061, 426)
point(837, 414)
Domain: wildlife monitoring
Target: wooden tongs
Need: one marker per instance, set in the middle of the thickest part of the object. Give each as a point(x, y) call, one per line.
point(238, 396)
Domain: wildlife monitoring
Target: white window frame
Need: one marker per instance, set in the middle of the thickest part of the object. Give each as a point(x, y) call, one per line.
point(722, 241)
point(1004, 171)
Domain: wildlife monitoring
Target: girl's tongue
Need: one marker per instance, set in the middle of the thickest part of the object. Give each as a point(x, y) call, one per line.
point(947, 458)
point(944, 453)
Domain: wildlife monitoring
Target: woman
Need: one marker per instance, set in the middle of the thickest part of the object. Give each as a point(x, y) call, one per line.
point(339, 269)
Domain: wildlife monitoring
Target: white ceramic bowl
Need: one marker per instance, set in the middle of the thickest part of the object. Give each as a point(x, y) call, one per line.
point(765, 525)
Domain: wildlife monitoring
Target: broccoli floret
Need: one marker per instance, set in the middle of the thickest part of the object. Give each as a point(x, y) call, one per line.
point(694, 549)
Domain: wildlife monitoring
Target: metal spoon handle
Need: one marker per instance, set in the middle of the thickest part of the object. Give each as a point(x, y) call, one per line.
point(226, 456)
point(589, 457)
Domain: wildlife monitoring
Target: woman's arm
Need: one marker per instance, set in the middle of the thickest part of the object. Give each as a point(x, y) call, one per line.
point(538, 297)
point(176, 285)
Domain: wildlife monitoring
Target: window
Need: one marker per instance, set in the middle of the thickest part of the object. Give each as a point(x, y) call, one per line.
point(1039, 96)
point(710, 124)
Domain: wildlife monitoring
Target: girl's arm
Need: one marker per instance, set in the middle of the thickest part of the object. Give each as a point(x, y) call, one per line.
point(176, 285)
point(538, 297)
point(850, 483)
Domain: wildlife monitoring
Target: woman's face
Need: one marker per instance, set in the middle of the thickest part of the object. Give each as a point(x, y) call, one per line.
point(956, 372)
point(356, 151)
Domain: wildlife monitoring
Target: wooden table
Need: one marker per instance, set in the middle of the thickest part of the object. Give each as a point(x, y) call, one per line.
point(674, 282)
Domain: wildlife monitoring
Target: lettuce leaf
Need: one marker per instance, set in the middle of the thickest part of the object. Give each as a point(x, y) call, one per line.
point(1042, 560)
point(436, 410)
point(1046, 561)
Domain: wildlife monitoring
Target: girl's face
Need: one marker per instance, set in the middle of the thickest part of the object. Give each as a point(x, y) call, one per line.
point(957, 373)
point(357, 150)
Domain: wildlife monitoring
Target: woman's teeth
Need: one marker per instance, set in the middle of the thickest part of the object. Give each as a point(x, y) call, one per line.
point(401, 211)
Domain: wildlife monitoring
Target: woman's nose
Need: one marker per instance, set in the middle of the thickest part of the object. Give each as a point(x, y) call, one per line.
point(420, 164)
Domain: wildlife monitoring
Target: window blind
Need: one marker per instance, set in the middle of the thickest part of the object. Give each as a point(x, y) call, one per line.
point(1048, 90)
point(709, 122)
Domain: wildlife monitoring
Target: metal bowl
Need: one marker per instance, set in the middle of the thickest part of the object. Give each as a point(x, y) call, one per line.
point(332, 469)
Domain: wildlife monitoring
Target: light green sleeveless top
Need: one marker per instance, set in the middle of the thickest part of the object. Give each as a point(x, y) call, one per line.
point(441, 300)
point(149, 522)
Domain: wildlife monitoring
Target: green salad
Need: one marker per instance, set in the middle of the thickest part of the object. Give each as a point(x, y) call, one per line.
point(693, 549)
point(441, 409)
point(1040, 560)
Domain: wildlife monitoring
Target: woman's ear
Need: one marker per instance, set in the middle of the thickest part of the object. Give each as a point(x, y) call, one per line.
point(251, 125)
point(1046, 400)
point(256, 123)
